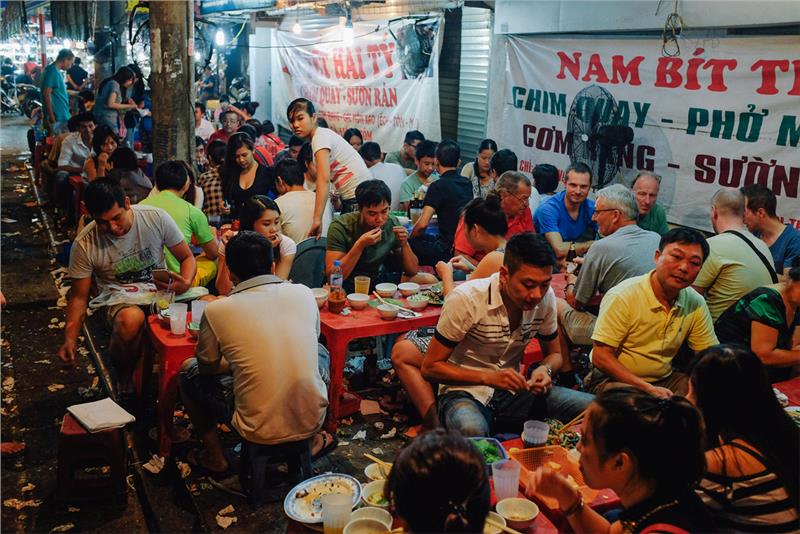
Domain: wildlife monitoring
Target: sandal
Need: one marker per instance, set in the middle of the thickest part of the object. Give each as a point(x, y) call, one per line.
point(327, 446)
point(194, 458)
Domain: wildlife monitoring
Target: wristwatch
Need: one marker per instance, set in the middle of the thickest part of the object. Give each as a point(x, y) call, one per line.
point(548, 369)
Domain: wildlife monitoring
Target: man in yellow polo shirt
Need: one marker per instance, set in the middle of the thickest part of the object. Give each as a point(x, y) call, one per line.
point(644, 320)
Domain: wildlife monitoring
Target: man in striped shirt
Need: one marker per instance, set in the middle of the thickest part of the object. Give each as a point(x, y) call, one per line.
point(482, 332)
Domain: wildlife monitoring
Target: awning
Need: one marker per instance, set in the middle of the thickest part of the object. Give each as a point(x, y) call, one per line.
point(223, 6)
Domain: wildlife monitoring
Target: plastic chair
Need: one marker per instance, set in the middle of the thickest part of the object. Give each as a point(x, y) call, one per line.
point(255, 459)
point(308, 267)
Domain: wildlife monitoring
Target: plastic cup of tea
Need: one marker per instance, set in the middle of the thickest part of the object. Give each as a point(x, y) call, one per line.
point(177, 318)
point(506, 478)
point(336, 509)
point(198, 308)
point(362, 284)
point(535, 433)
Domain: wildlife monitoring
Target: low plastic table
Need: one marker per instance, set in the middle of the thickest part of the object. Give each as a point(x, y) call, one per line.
point(339, 330)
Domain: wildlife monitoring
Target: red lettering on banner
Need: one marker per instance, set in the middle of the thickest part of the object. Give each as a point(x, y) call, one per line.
point(667, 74)
point(387, 51)
point(768, 76)
point(595, 69)
point(574, 66)
point(718, 67)
point(620, 71)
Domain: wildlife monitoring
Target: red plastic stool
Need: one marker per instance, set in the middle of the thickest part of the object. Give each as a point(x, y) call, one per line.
point(78, 449)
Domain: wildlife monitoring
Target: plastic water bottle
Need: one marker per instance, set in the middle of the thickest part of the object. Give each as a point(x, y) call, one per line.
point(337, 280)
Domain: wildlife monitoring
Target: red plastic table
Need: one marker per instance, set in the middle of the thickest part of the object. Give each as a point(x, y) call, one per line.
point(339, 330)
point(790, 388)
point(172, 351)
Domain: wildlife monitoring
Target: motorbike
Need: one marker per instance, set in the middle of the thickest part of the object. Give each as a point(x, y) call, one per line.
point(239, 92)
point(29, 98)
point(15, 97)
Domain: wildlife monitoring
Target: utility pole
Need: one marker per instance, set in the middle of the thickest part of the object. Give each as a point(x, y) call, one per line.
point(172, 80)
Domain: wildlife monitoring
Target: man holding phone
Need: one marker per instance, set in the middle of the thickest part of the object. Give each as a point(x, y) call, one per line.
point(122, 250)
point(369, 242)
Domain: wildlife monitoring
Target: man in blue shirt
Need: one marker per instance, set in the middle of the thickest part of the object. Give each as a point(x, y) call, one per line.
point(565, 219)
point(54, 93)
point(760, 217)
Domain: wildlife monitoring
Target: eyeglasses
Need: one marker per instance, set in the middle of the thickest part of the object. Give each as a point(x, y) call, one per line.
point(607, 209)
point(523, 200)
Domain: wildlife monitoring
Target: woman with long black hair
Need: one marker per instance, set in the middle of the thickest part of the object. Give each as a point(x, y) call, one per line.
point(242, 176)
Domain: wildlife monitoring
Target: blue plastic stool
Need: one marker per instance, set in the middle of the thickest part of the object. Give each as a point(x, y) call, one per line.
point(255, 459)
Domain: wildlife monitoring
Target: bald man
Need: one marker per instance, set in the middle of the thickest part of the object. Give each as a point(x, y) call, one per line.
point(738, 262)
point(652, 217)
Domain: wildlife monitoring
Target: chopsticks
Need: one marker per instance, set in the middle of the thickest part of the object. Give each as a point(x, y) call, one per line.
point(380, 299)
point(578, 420)
point(378, 461)
point(502, 527)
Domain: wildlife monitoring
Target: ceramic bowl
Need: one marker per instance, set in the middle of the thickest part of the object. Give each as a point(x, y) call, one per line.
point(193, 329)
point(320, 295)
point(386, 290)
point(497, 518)
point(372, 494)
point(357, 301)
point(519, 513)
point(387, 311)
point(374, 513)
point(417, 301)
point(408, 288)
point(373, 472)
point(365, 526)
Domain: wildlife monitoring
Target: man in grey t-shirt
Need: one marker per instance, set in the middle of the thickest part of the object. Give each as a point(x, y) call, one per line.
point(119, 250)
point(626, 250)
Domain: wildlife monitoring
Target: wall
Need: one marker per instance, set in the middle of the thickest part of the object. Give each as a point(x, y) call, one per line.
point(557, 16)
point(259, 70)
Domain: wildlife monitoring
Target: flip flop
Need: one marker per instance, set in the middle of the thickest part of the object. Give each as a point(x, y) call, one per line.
point(193, 459)
point(327, 446)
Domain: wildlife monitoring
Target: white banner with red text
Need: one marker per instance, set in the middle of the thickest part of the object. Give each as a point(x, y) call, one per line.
point(724, 113)
point(385, 83)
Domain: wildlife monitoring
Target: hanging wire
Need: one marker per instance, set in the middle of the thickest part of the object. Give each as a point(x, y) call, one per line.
point(673, 27)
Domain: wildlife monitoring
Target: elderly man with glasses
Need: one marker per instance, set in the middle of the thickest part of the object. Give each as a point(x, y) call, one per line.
point(625, 251)
point(230, 123)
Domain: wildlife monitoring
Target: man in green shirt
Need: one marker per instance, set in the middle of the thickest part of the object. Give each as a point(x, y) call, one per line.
point(425, 156)
point(651, 216)
point(55, 99)
point(369, 242)
point(405, 156)
point(172, 180)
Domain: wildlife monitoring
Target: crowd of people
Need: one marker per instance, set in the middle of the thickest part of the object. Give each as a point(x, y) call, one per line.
point(686, 430)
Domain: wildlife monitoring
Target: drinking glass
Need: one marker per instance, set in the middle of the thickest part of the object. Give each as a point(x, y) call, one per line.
point(177, 318)
point(506, 478)
point(336, 509)
point(198, 308)
point(362, 284)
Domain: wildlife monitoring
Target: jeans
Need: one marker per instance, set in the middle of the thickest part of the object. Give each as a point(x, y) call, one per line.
point(430, 250)
point(62, 193)
point(58, 128)
point(507, 412)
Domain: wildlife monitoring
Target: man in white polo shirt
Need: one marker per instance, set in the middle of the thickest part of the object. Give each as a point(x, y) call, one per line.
point(483, 330)
point(265, 379)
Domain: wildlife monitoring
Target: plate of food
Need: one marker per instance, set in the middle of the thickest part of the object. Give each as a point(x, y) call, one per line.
point(435, 294)
point(303, 503)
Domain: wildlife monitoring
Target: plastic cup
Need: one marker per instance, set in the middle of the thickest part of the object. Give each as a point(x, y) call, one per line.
point(535, 433)
point(198, 308)
point(362, 284)
point(336, 301)
point(336, 508)
point(177, 318)
point(506, 478)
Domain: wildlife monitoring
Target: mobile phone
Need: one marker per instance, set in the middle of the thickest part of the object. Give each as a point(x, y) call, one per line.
point(161, 275)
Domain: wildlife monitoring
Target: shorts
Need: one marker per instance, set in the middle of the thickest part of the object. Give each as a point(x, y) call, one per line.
point(110, 312)
point(578, 325)
point(421, 338)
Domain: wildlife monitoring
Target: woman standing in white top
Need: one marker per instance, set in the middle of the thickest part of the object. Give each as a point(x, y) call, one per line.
point(334, 159)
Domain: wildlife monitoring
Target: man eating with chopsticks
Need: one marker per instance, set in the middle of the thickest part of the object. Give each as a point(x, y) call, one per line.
point(481, 335)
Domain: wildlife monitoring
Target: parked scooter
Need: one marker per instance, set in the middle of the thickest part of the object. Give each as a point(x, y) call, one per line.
point(29, 98)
